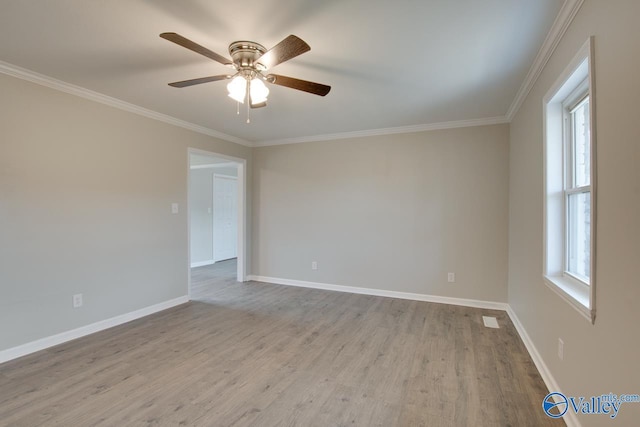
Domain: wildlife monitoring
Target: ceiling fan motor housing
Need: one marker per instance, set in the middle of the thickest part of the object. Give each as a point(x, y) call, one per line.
point(245, 54)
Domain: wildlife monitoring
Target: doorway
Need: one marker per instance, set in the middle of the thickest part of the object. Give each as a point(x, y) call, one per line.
point(216, 218)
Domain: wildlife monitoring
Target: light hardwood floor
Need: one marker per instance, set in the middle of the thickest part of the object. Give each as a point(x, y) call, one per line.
point(255, 354)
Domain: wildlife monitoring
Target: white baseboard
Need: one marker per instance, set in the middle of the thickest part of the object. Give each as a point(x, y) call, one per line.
point(202, 263)
point(570, 417)
point(43, 343)
point(491, 305)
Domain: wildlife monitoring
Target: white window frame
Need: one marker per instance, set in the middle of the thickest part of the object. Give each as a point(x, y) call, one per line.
point(576, 82)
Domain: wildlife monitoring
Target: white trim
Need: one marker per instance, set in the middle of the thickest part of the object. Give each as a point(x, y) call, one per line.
point(231, 159)
point(188, 271)
point(490, 305)
point(223, 176)
point(570, 417)
point(573, 292)
point(41, 79)
point(560, 25)
point(584, 53)
point(202, 263)
point(47, 342)
point(44, 343)
point(386, 131)
point(215, 165)
point(581, 67)
point(242, 222)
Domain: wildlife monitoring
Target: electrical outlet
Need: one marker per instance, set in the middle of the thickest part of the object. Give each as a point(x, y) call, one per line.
point(451, 277)
point(175, 208)
point(77, 300)
point(314, 265)
point(560, 349)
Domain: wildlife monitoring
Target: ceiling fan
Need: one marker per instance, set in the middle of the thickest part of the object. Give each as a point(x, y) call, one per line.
point(250, 61)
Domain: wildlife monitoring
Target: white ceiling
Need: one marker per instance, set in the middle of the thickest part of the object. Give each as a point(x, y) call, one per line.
point(390, 63)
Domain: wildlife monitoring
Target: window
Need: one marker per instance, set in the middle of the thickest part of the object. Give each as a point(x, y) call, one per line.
point(569, 161)
point(577, 191)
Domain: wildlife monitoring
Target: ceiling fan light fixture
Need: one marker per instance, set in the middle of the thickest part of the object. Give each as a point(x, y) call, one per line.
point(238, 89)
point(250, 60)
point(258, 92)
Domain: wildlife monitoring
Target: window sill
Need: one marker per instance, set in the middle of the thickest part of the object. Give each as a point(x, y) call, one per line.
point(574, 292)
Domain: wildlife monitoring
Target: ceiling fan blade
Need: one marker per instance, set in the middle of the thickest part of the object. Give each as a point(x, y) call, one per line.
point(304, 85)
point(288, 48)
point(186, 83)
point(184, 42)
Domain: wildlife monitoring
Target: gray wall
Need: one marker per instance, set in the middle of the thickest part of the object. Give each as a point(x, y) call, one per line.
point(388, 212)
point(598, 358)
point(85, 197)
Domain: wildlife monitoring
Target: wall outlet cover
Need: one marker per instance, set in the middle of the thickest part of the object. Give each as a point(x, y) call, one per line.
point(77, 300)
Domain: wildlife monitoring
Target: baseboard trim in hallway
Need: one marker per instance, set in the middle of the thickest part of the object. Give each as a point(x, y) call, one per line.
point(50, 341)
point(202, 263)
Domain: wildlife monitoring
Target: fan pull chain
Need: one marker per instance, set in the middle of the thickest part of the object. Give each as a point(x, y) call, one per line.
point(248, 101)
point(237, 108)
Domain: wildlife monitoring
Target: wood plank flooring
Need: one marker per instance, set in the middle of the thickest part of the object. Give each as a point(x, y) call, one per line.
point(255, 354)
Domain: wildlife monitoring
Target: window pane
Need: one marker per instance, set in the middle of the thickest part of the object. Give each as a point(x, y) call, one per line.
point(581, 145)
point(579, 235)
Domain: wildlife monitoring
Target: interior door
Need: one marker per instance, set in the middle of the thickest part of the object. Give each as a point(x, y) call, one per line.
point(225, 217)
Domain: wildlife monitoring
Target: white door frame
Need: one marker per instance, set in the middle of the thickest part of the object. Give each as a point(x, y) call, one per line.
point(242, 214)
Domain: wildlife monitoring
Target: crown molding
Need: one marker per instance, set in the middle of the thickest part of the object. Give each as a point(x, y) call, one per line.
point(41, 79)
point(385, 131)
point(560, 25)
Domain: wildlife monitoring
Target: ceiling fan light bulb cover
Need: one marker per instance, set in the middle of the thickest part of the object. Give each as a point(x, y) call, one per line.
point(258, 91)
point(237, 89)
